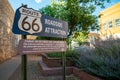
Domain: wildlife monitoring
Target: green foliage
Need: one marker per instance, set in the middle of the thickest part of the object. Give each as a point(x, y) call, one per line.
point(48, 38)
point(103, 61)
point(78, 13)
point(68, 53)
point(56, 10)
point(68, 41)
point(80, 37)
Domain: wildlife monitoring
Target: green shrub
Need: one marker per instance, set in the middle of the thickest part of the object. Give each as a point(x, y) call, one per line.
point(68, 53)
point(103, 61)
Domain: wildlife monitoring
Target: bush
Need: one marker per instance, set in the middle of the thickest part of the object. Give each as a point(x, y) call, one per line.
point(68, 53)
point(103, 61)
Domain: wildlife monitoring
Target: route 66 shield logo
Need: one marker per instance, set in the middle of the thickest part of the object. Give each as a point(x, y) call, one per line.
point(30, 21)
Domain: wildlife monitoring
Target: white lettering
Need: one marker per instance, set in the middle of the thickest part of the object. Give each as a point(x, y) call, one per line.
point(30, 12)
point(53, 23)
point(55, 31)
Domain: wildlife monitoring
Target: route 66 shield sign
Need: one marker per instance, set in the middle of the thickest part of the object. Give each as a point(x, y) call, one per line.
point(27, 21)
point(30, 21)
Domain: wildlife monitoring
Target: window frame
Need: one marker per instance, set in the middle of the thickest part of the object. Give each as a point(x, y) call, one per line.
point(104, 26)
point(110, 25)
point(117, 22)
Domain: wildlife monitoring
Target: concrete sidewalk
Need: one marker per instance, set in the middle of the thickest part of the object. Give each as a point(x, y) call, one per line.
point(8, 67)
point(34, 72)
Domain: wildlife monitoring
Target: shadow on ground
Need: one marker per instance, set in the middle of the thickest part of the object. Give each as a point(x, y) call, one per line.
point(34, 71)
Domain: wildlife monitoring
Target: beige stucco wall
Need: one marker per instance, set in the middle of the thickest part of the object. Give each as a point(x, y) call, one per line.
point(7, 38)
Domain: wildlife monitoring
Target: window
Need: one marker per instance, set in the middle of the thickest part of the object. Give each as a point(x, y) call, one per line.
point(110, 24)
point(117, 22)
point(104, 26)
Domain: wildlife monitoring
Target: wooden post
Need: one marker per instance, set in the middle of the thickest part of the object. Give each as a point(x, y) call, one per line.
point(24, 63)
point(64, 64)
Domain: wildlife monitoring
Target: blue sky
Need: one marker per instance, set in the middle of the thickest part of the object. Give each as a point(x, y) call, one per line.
point(112, 2)
point(37, 4)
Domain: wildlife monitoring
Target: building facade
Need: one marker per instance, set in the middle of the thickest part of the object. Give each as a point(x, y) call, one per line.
point(109, 20)
point(93, 37)
point(8, 40)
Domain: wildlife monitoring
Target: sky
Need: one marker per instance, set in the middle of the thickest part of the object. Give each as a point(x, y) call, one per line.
point(37, 4)
point(112, 2)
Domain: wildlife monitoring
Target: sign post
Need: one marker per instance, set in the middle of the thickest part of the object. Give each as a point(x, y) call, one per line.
point(64, 65)
point(24, 63)
point(28, 21)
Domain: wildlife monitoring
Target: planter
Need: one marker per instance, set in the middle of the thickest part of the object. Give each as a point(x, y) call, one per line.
point(55, 62)
point(52, 71)
point(83, 75)
point(53, 66)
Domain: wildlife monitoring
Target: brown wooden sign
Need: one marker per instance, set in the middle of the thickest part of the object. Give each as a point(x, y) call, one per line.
point(39, 46)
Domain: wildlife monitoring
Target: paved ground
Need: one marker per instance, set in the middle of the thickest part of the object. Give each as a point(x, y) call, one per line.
point(8, 67)
point(12, 69)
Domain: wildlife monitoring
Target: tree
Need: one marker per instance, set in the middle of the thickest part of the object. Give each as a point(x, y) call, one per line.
point(80, 37)
point(78, 13)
